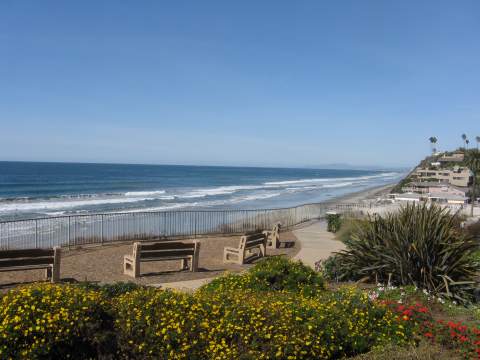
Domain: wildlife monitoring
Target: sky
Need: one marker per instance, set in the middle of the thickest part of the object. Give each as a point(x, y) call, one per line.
point(250, 83)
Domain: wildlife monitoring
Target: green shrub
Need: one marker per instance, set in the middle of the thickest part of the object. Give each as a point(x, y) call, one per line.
point(334, 221)
point(348, 227)
point(111, 290)
point(424, 351)
point(419, 245)
point(51, 321)
point(274, 273)
point(329, 268)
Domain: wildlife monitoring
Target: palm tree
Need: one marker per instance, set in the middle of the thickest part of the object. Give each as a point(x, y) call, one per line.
point(464, 138)
point(478, 140)
point(467, 142)
point(433, 141)
point(473, 162)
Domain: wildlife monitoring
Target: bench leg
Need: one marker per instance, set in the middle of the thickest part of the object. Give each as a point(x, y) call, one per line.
point(263, 250)
point(195, 262)
point(131, 268)
point(227, 257)
point(57, 256)
point(48, 273)
point(183, 264)
point(241, 257)
point(55, 274)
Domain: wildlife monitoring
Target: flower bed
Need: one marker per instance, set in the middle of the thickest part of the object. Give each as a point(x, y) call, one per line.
point(277, 310)
point(49, 321)
point(226, 325)
point(465, 340)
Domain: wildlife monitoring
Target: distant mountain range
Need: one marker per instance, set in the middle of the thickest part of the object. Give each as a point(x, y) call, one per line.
point(340, 166)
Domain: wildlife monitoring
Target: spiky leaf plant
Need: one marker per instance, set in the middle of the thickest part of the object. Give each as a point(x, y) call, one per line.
point(420, 245)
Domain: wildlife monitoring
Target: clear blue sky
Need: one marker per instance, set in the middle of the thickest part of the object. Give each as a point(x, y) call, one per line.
point(289, 83)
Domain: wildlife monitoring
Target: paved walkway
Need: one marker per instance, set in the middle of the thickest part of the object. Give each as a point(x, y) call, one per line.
point(316, 243)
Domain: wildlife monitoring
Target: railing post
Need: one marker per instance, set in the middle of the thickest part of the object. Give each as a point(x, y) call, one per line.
point(195, 224)
point(36, 233)
point(101, 225)
point(68, 229)
point(159, 225)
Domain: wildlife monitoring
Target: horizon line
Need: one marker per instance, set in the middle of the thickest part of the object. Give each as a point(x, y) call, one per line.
point(310, 167)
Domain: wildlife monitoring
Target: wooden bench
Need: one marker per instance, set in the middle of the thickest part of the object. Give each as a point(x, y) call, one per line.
point(160, 251)
point(247, 243)
point(273, 238)
point(30, 259)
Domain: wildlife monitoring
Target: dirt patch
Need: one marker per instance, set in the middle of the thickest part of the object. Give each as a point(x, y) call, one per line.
point(104, 264)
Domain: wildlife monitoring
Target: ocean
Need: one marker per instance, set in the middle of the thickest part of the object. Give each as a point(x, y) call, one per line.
point(34, 189)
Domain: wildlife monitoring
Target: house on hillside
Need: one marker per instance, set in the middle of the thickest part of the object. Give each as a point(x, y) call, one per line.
point(458, 176)
point(427, 191)
point(431, 187)
point(455, 157)
point(448, 199)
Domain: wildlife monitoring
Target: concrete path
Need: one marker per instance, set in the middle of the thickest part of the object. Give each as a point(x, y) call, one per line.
point(316, 243)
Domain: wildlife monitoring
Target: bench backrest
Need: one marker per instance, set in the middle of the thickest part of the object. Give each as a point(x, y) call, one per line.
point(27, 257)
point(164, 250)
point(252, 240)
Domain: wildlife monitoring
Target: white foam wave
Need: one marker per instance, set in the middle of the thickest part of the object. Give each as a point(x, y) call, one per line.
point(43, 206)
point(343, 184)
point(254, 197)
point(221, 190)
point(315, 180)
point(145, 193)
point(161, 208)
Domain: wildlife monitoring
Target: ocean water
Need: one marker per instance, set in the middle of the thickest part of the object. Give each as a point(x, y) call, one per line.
point(31, 190)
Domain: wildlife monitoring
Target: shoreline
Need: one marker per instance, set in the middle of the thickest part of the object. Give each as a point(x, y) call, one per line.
point(362, 195)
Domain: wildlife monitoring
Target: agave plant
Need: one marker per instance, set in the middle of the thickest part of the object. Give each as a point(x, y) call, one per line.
point(420, 245)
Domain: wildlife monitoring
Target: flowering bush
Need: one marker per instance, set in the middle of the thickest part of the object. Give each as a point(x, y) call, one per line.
point(250, 325)
point(152, 323)
point(454, 335)
point(49, 321)
point(276, 310)
point(272, 274)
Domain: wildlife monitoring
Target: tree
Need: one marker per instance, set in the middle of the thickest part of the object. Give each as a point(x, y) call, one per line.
point(473, 162)
point(467, 142)
point(478, 141)
point(464, 138)
point(433, 141)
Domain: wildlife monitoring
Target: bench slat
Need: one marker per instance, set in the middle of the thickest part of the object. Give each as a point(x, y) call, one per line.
point(25, 253)
point(255, 242)
point(162, 258)
point(165, 253)
point(26, 262)
point(28, 267)
point(254, 237)
point(167, 246)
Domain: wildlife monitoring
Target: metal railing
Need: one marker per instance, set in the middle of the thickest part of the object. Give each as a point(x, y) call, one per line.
point(78, 230)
